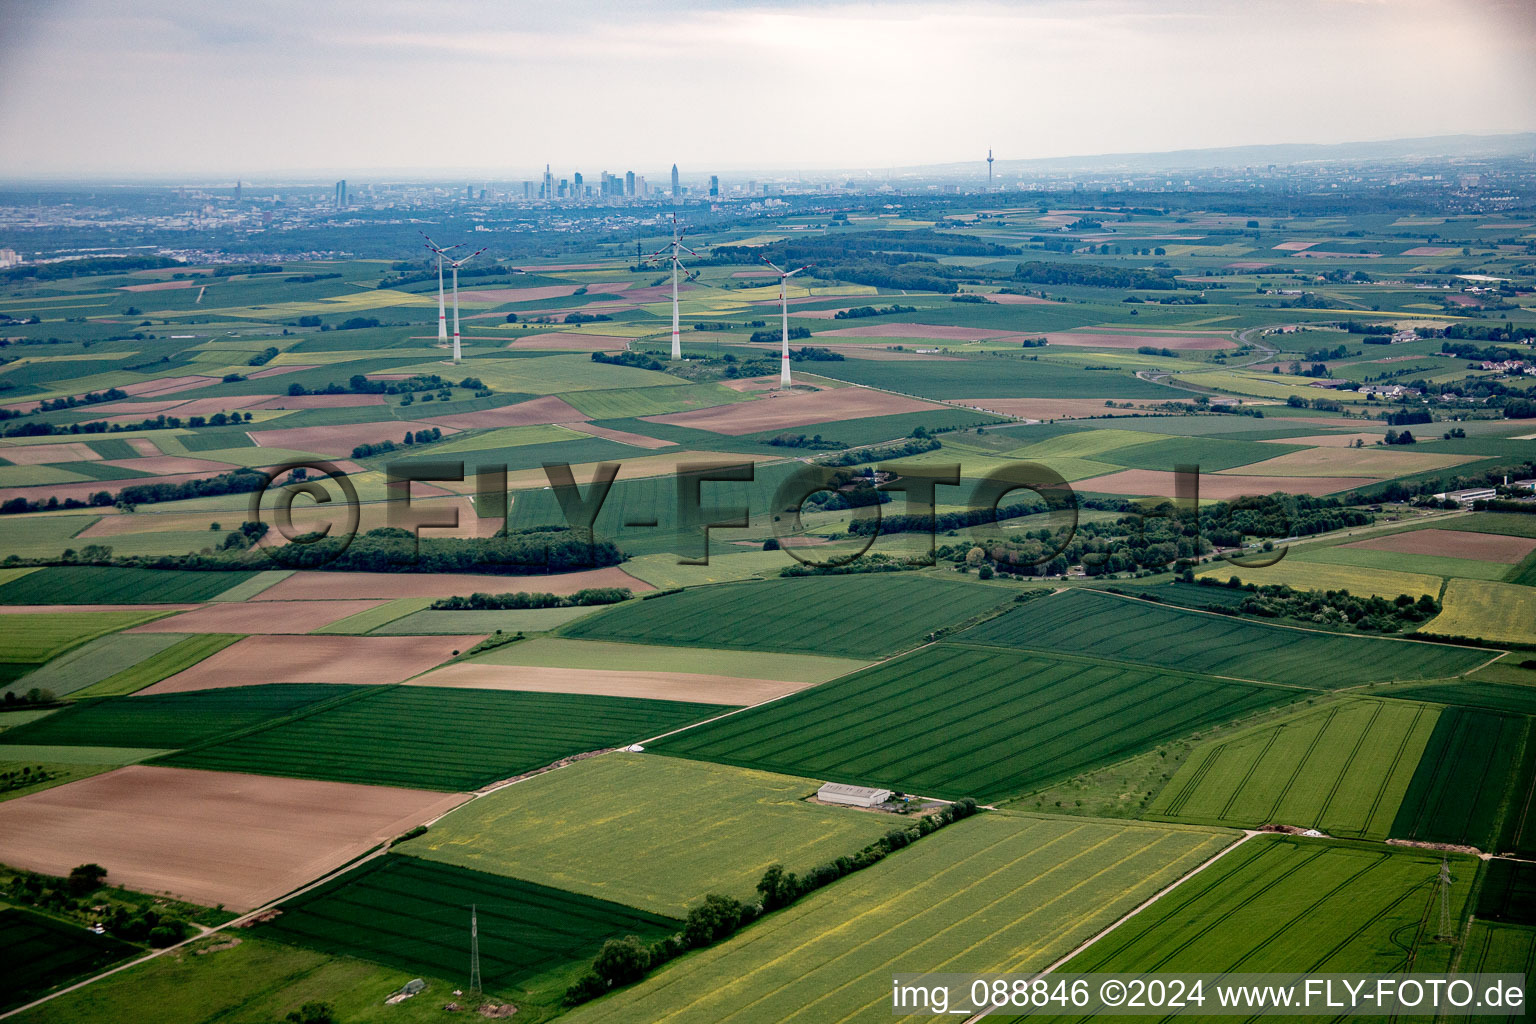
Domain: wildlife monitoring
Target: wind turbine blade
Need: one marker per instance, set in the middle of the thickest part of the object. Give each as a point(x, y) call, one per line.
point(772, 264)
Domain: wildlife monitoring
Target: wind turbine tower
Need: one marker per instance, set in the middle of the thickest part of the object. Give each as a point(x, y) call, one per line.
point(784, 276)
point(456, 264)
point(442, 317)
point(989, 168)
point(674, 246)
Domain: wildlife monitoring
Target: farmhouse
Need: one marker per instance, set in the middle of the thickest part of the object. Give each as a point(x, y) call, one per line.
point(853, 796)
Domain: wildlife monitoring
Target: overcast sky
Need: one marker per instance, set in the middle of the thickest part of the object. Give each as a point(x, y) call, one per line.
point(263, 88)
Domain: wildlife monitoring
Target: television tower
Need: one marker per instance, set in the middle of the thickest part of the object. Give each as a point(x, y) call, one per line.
point(989, 167)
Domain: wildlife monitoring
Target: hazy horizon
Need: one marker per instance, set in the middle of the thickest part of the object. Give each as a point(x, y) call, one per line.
point(286, 90)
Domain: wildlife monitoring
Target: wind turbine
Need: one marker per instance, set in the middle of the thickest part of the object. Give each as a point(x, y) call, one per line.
point(784, 276)
point(442, 319)
point(456, 264)
point(675, 245)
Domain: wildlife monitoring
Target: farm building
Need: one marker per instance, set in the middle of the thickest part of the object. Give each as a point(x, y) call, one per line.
point(853, 796)
point(1468, 496)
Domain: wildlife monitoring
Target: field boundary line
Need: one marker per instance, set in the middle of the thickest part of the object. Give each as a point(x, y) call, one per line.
point(1149, 901)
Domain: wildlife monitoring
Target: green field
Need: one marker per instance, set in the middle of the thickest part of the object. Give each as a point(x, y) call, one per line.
point(185, 652)
point(170, 720)
point(992, 377)
point(1368, 558)
point(1495, 612)
point(460, 623)
point(1306, 574)
point(413, 915)
point(92, 662)
point(1508, 892)
point(1460, 786)
point(999, 892)
point(946, 721)
point(559, 652)
point(1496, 949)
point(704, 828)
point(1279, 903)
point(38, 953)
point(1342, 768)
point(439, 738)
point(89, 584)
point(626, 403)
point(852, 616)
point(31, 638)
point(255, 982)
point(1474, 693)
point(1107, 626)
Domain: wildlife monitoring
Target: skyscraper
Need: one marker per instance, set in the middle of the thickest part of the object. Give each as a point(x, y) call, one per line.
point(675, 191)
point(340, 199)
point(238, 186)
point(714, 185)
point(548, 190)
point(576, 185)
point(629, 183)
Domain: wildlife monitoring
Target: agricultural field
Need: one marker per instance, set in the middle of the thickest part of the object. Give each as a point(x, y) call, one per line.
point(257, 837)
point(1493, 612)
point(437, 738)
point(85, 584)
point(169, 721)
point(1280, 903)
point(1342, 768)
point(1106, 626)
point(705, 828)
point(38, 953)
point(1464, 776)
point(943, 721)
point(830, 956)
point(853, 616)
point(224, 715)
point(255, 980)
point(413, 915)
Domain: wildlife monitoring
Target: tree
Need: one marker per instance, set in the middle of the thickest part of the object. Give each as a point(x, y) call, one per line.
point(622, 961)
point(312, 1013)
point(85, 878)
point(717, 917)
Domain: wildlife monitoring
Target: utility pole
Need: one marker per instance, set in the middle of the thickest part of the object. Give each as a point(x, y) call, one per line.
point(474, 951)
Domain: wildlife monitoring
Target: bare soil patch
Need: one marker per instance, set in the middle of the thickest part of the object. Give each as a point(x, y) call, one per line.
point(167, 385)
point(354, 660)
point(1245, 265)
point(1330, 440)
point(144, 446)
point(1216, 487)
point(1429, 250)
point(1483, 547)
point(262, 617)
point(1295, 246)
point(353, 586)
point(793, 410)
point(273, 371)
point(208, 837)
point(538, 410)
point(687, 686)
point(45, 454)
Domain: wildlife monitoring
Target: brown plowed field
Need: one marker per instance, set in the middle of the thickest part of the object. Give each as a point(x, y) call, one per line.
point(353, 660)
point(1217, 487)
point(158, 286)
point(1484, 547)
point(939, 331)
point(43, 454)
point(263, 617)
point(687, 686)
point(795, 410)
point(163, 464)
point(208, 837)
point(350, 586)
